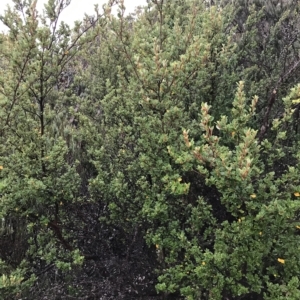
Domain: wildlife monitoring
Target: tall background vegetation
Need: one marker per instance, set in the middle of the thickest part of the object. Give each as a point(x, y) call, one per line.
point(152, 155)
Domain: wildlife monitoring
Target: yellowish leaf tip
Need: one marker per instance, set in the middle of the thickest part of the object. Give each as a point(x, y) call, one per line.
point(282, 261)
point(253, 196)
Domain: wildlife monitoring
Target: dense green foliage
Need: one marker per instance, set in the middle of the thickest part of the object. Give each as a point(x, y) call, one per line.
point(172, 131)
